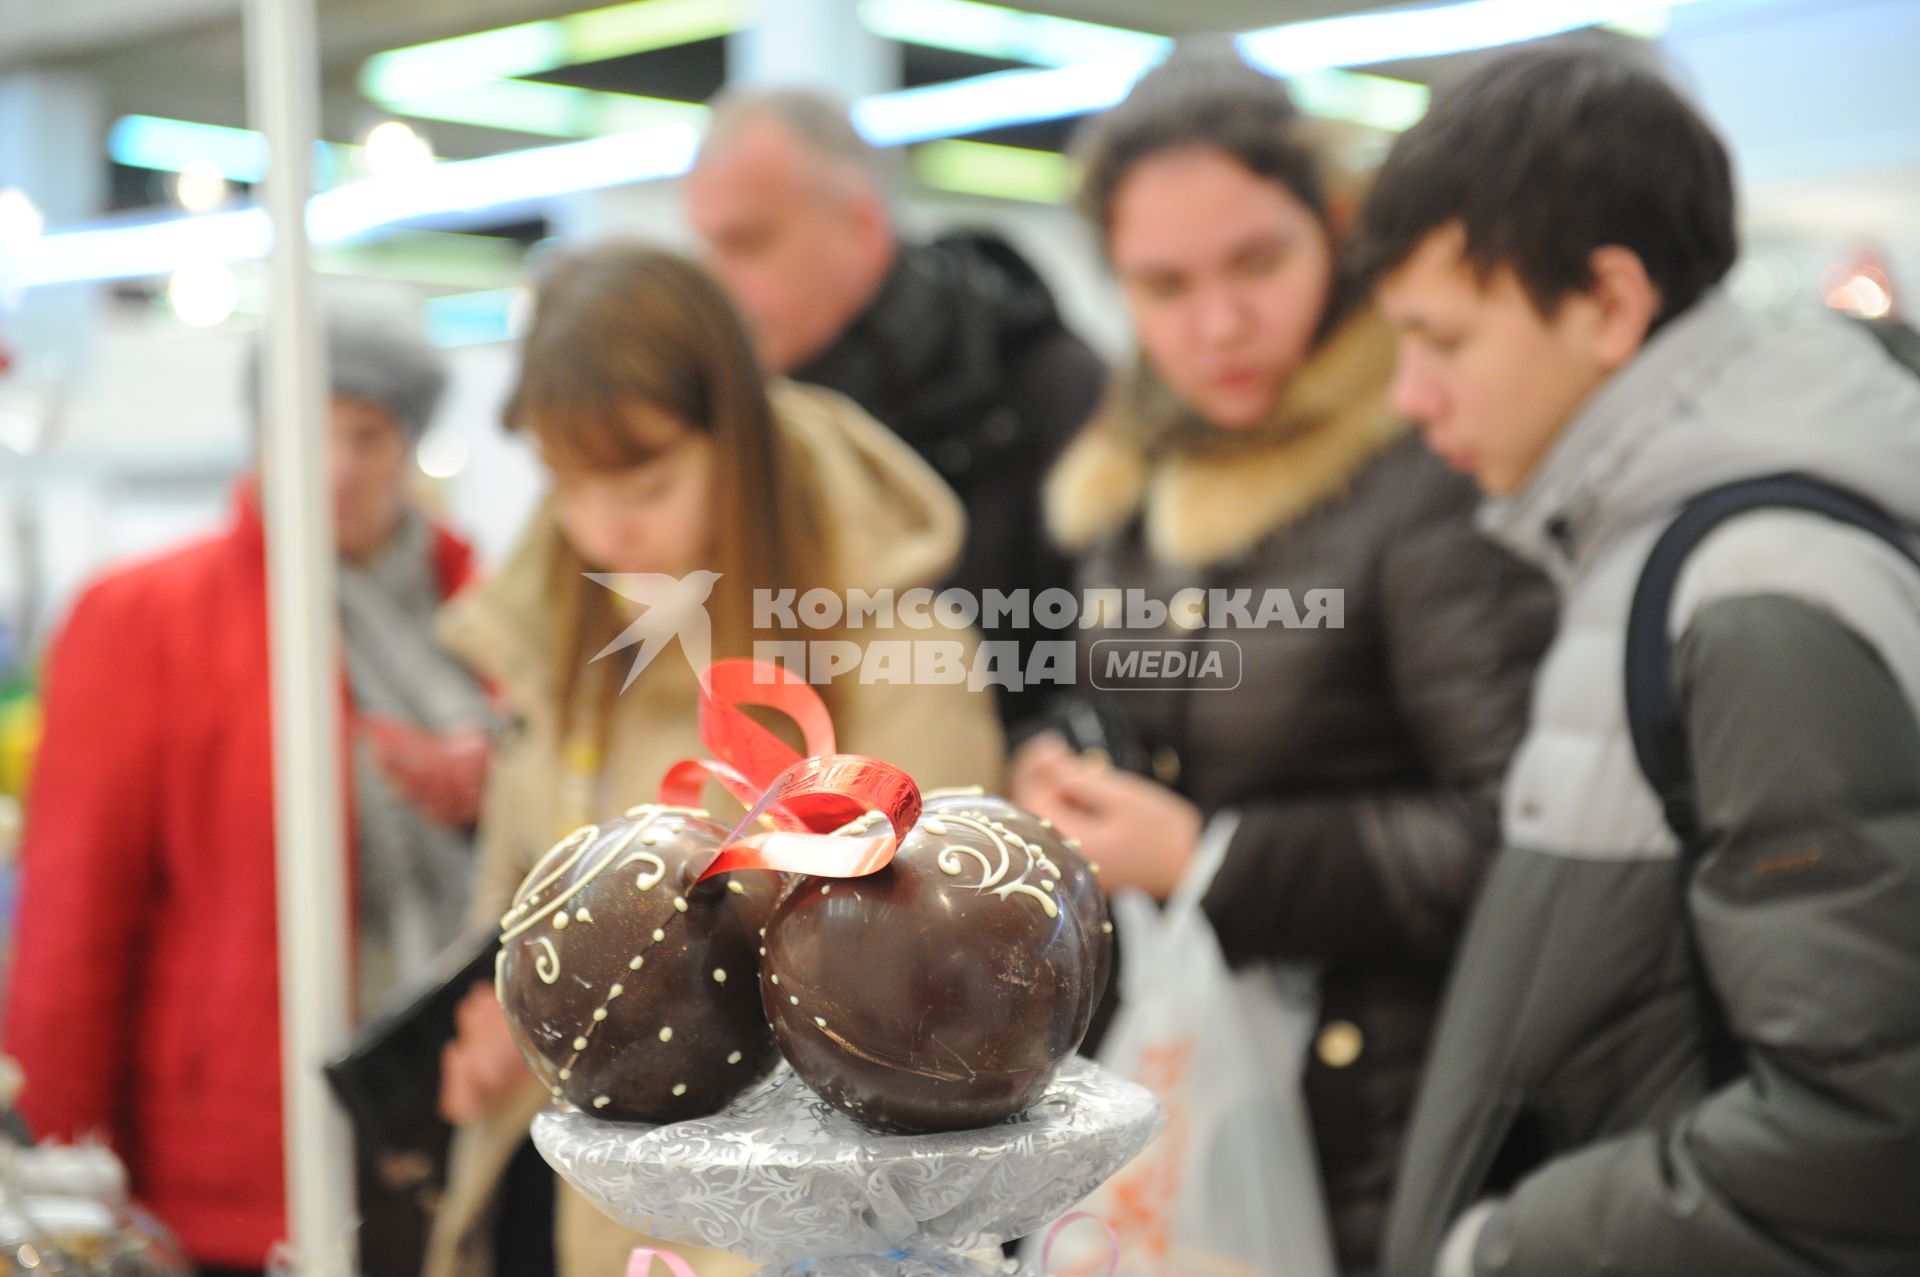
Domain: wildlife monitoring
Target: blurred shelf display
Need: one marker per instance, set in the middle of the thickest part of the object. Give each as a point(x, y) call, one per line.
point(65, 1210)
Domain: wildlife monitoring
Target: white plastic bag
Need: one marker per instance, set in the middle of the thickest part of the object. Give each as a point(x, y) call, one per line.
point(1231, 1185)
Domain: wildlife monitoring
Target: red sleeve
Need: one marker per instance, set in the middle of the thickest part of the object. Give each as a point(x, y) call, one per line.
point(88, 859)
point(453, 562)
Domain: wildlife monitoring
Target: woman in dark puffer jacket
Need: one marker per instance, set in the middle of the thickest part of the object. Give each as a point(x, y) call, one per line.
point(1250, 449)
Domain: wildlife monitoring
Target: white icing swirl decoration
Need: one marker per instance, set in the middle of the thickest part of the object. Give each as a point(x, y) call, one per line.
point(993, 877)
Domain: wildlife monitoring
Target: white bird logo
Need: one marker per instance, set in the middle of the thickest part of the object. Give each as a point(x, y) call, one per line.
point(669, 606)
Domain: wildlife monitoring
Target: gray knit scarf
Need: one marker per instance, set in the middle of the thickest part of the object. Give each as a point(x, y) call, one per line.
point(414, 874)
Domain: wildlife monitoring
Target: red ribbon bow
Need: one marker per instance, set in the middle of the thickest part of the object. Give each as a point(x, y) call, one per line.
point(798, 806)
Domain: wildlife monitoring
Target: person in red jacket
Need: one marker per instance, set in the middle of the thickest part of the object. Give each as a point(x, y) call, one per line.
point(144, 1001)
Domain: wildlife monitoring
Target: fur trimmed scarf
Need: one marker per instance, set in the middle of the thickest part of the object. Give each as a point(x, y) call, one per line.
point(1205, 494)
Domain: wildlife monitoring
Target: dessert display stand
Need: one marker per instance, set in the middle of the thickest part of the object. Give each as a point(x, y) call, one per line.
point(782, 1178)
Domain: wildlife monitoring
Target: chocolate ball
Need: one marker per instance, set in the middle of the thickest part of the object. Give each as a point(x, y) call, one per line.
point(1078, 875)
point(633, 993)
point(944, 991)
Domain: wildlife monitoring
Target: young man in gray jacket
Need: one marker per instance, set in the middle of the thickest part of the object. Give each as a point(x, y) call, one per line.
point(1549, 242)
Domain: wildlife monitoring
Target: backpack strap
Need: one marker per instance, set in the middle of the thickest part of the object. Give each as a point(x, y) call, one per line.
point(1653, 712)
point(1653, 715)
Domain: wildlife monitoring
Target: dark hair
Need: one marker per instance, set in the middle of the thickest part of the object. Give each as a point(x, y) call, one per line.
point(623, 333)
point(1546, 154)
point(1204, 94)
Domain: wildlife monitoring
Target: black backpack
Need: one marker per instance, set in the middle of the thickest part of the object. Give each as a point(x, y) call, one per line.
point(1653, 715)
point(1659, 742)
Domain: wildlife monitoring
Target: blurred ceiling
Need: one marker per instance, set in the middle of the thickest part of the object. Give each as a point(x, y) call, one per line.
point(184, 59)
point(1839, 152)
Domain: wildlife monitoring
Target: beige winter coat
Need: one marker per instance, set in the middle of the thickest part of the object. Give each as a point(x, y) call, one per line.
point(894, 525)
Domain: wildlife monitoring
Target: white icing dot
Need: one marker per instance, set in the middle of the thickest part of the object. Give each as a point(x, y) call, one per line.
point(1045, 823)
point(734, 1058)
point(1046, 884)
point(565, 1074)
point(634, 963)
point(817, 1020)
point(719, 976)
point(1091, 868)
point(826, 889)
point(559, 922)
point(557, 1093)
point(763, 952)
point(775, 978)
point(680, 904)
point(763, 931)
point(736, 889)
point(794, 1000)
point(679, 1088)
point(616, 990)
point(579, 1044)
point(581, 915)
point(934, 827)
point(601, 1101)
point(666, 1035)
point(1106, 928)
point(1073, 844)
point(599, 1014)
point(658, 935)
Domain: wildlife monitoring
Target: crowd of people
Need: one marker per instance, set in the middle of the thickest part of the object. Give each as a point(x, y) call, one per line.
point(1596, 816)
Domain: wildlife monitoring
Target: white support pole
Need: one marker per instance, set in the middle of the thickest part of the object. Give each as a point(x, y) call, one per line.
point(819, 44)
point(309, 840)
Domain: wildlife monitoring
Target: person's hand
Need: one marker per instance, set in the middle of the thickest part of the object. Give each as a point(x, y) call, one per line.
point(481, 1066)
point(1138, 832)
point(442, 774)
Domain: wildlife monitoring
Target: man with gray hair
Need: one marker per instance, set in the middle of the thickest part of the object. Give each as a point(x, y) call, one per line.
point(143, 1003)
point(956, 344)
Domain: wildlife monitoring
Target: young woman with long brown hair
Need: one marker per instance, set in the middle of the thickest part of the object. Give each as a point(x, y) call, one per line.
point(670, 456)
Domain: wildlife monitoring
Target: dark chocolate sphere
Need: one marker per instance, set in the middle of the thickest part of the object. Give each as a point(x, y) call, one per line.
point(1077, 874)
point(944, 991)
point(633, 993)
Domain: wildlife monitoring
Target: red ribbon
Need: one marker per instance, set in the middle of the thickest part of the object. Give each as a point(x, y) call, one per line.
point(796, 804)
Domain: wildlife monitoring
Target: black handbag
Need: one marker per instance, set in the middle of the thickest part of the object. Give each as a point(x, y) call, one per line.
point(388, 1078)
